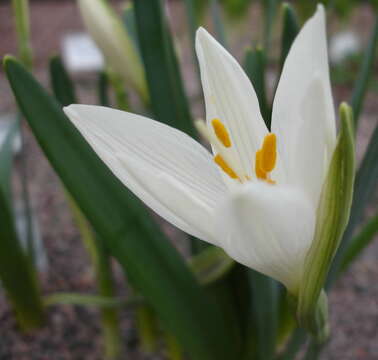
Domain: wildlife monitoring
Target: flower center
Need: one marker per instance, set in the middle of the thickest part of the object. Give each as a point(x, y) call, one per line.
point(265, 159)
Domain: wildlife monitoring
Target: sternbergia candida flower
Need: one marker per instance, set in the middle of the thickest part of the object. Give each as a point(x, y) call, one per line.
point(270, 199)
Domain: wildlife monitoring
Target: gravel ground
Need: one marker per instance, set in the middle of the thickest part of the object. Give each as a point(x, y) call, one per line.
point(74, 332)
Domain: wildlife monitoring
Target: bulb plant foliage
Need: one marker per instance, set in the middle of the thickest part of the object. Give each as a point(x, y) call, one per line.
point(273, 199)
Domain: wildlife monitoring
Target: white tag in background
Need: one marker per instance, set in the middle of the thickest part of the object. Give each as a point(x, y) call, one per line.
point(81, 54)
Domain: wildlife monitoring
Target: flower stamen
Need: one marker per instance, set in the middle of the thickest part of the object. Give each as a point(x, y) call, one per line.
point(225, 167)
point(221, 132)
point(266, 157)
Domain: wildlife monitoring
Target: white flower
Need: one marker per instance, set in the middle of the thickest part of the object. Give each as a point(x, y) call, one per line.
point(255, 201)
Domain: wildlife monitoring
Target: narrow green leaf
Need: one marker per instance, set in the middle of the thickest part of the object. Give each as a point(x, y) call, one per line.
point(365, 185)
point(168, 99)
point(16, 273)
point(118, 218)
point(270, 11)
point(359, 242)
point(216, 17)
point(129, 21)
point(332, 218)
point(211, 265)
point(364, 75)
point(61, 83)
point(263, 325)
point(254, 66)
point(289, 31)
point(102, 89)
point(193, 22)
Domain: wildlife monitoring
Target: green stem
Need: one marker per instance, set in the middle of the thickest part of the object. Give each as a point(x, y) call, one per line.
point(21, 13)
point(119, 90)
point(68, 298)
point(102, 266)
point(146, 323)
point(173, 349)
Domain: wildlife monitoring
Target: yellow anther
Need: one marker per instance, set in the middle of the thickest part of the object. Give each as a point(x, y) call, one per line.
point(221, 132)
point(260, 173)
point(225, 167)
point(265, 159)
point(269, 153)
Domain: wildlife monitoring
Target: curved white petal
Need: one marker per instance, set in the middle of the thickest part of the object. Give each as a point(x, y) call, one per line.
point(165, 168)
point(268, 228)
point(303, 112)
point(230, 97)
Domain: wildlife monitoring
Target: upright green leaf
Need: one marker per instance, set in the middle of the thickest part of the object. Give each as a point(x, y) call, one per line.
point(289, 31)
point(16, 273)
point(254, 66)
point(364, 75)
point(365, 185)
point(332, 218)
point(61, 83)
point(216, 17)
point(102, 89)
point(168, 99)
point(262, 336)
point(152, 264)
point(129, 21)
point(270, 11)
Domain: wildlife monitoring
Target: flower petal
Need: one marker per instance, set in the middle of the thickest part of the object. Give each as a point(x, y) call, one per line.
point(303, 113)
point(268, 228)
point(230, 97)
point(165, 168)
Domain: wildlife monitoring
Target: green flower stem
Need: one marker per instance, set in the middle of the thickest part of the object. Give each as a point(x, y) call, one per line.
point(146, 323)
point(173, 349)
point(117, 84)
point(21, 13)
point(102, 266)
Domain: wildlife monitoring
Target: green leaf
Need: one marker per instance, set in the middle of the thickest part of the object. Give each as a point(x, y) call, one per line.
point(270, 11)
point(61, 83)
point(153, 265)
point(16, 273)
point(168, 99)
point(211, 265)
point(102, 89)
point(216, 17)
point(289, 31)
point(365, 74)
point(332, 218)
point(129, 21)
point(359, 242)
point(262, 333)
point(254, 66)
point(365, 185)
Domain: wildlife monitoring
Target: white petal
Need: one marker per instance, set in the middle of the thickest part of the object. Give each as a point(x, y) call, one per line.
point(268, 228)
point(229, 96)
point(165, 168)
point(303, 113)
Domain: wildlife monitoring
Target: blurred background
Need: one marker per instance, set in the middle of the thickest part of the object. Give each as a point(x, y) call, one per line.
point(73, 332)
